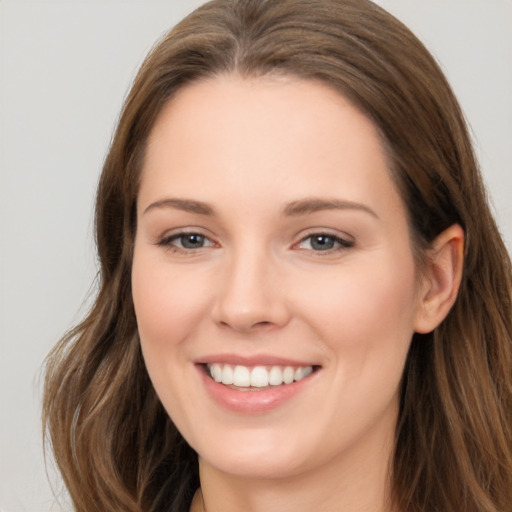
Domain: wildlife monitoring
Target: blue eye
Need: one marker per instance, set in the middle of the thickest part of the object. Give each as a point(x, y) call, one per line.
point(324, 242)
point(191, 241)
point(187, 241)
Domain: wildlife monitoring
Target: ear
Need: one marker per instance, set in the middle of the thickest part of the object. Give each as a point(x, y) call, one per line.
point(442, 279)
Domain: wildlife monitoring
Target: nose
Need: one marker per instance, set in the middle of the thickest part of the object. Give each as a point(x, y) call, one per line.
point(252, 294)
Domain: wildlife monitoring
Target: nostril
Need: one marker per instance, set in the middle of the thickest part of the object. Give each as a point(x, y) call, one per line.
point(262, 325)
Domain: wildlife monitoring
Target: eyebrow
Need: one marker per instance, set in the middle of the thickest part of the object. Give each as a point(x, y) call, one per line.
point(293, 209)
point(312, 205)
point(187, 205)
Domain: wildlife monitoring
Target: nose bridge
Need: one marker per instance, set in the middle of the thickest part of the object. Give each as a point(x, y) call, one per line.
point(250, 294)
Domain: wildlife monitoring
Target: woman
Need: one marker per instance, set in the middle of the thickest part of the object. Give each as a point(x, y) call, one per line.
point(304, 299)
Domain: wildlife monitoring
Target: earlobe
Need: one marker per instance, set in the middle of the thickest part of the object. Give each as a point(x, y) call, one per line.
point(442, 281)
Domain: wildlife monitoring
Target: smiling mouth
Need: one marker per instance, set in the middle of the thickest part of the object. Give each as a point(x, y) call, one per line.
point(255, 378)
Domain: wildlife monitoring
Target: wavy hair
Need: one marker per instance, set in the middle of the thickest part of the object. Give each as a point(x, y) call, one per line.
point(115, 445)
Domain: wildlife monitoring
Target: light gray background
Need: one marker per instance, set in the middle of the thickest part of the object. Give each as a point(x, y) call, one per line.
point(65, 67)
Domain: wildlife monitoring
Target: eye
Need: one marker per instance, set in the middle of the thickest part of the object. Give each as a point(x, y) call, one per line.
point(324, 242)
point(186, 241)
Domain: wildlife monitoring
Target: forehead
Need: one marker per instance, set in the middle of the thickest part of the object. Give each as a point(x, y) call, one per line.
point(276, 135)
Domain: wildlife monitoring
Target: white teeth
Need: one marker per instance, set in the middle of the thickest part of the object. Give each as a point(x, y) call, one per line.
point(288, 375)
point(227, 374)
point(258, 376)
point(216, 372)
point(241, 377)
point(275, 376)
point(302, 372)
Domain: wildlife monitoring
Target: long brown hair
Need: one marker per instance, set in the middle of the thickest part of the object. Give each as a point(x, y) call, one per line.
point(117, 448)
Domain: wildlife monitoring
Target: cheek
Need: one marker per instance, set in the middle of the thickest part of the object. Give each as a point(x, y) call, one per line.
point(366, 320)
point(366, 316)
point(376, 294)
point(380, 302)
point(167, 302)
point(169, 305)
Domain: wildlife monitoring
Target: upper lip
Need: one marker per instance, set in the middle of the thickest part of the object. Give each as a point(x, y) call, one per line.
point(254, 360)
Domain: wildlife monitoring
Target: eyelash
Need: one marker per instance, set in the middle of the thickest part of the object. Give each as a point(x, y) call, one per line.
point(168, 242)
point(342, 243)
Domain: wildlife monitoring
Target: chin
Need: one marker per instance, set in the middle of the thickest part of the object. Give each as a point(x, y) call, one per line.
point(259, 454)
point(255, 467)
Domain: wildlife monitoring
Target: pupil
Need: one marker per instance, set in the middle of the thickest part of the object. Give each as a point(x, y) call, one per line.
point(322, 243)
point(192, 241)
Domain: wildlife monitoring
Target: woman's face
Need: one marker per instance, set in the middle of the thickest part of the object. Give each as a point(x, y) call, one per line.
point(273, 252)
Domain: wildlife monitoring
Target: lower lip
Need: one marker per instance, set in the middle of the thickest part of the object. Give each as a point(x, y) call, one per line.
point(252, 401)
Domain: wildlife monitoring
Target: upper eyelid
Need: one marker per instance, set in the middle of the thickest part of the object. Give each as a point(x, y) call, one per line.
point(180, 231)
point(169, 243)
point(343, 242)
point(327, 232)
point(174, 236)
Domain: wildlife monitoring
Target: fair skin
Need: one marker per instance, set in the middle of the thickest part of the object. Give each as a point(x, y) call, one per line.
point(270, 235)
